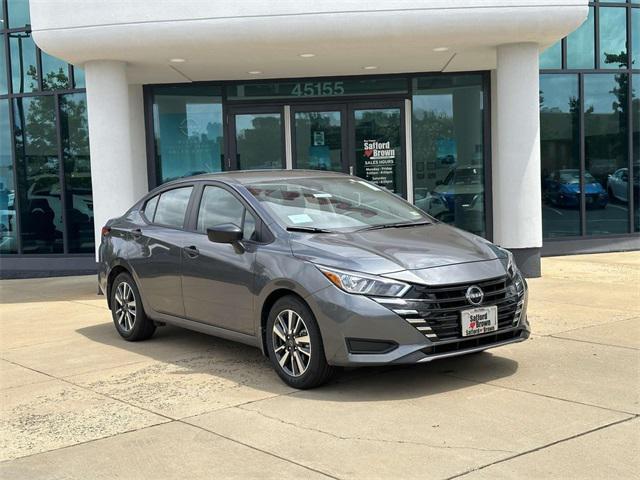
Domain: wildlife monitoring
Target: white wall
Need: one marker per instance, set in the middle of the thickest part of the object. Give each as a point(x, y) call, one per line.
point(116, 141)
point(517, 210)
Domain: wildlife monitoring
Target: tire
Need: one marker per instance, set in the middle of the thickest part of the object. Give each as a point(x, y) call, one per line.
point(301, 341)
point(131, 322)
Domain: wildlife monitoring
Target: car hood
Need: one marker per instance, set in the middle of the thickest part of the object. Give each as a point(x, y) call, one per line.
point(393, 249)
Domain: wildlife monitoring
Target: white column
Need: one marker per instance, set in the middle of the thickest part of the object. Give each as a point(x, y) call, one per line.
point(116, 141)
point(517, 213)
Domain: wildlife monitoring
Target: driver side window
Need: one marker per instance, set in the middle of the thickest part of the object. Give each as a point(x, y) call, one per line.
point(218, 206)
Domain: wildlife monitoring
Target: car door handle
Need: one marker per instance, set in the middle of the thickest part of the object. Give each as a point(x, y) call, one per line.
point(191, 251)
point(136, 233)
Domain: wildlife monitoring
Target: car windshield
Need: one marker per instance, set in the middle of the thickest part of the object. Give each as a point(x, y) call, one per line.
point(334, 203)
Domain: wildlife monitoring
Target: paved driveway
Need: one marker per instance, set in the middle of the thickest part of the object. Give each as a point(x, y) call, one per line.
point(80, 403)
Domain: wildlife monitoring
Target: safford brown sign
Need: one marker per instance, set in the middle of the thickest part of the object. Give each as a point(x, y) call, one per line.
point(379, 163)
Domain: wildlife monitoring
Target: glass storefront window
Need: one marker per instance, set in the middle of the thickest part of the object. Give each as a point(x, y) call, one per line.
point(77, 172)
point(560, 155)
point(581, 46)
point(609, 182)
point(8, 225)
point(24, 73)
point(613, 37)
point(18, 12)
point(55, 73)
point(3, 67)
point(318, 140)
point(38, 173)
point(78, 77)
point(551, 58)
point(448, 149)
point(635, 37)
point(259, 141)
point(605, 125)
point(188, 131)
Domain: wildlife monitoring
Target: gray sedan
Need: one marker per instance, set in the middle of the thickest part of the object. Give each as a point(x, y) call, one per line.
point(317, 269)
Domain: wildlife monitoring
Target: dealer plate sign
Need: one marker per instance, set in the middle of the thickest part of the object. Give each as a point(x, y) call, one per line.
point(479, 320)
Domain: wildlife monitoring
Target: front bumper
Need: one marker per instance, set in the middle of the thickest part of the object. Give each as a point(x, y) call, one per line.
point(343, 318)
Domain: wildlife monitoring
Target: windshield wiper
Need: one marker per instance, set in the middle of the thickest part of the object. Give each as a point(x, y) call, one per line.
point(394, 225)
point(309, 230)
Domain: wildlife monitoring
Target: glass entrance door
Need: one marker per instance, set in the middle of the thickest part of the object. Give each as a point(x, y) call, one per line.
point(366, 140)
point(256, 138)
point(319, 140)
point(363, 139)
point(377, 150)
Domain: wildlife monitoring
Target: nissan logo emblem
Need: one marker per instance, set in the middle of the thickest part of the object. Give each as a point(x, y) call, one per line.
point(474, 295)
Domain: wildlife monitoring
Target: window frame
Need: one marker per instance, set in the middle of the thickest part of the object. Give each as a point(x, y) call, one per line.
point(156, 193)
point(143, 208)
point(264, 233)
point(200, 206)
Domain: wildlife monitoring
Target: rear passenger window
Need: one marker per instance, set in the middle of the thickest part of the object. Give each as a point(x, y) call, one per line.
point(218, 206)
point(172, 207)
point(150, 208)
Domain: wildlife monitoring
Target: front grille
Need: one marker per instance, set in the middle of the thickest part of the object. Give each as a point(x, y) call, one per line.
point(435, 310)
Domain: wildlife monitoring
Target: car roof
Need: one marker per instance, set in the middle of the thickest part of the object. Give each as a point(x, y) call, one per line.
point(245, 177)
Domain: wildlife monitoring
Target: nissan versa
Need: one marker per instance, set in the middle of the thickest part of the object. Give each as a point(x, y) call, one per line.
point(317, 269)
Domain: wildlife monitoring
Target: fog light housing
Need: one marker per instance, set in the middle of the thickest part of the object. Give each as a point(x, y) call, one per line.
point(365, 346)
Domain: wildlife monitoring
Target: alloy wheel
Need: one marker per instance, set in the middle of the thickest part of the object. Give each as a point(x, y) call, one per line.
point(291, 343)
point(125, 306)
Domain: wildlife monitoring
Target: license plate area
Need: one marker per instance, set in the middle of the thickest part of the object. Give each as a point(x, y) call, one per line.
point(477, 321)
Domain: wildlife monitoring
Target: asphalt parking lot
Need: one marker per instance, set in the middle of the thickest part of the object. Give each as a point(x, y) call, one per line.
point(80, 403)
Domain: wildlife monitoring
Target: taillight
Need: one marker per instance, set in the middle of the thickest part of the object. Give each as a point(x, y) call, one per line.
point(106, 231)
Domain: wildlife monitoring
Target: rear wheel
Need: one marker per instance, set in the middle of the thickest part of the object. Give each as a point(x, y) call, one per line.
point(295, 345)
point(129, 316)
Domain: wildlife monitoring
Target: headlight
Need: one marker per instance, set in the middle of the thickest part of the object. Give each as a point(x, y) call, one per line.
point(363, 284)
point(509, 263)
point(512, 270)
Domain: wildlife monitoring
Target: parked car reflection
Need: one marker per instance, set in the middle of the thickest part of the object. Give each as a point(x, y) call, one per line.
point(562, 189)
point(618, 185)
point(458, 198)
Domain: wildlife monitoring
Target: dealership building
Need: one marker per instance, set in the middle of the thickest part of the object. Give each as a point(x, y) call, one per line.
point(515, 120)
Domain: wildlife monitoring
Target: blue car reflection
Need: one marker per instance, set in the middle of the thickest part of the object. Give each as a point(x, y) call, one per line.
point(562, 189)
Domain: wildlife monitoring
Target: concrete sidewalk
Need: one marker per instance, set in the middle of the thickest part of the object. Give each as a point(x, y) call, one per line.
point(80, 403)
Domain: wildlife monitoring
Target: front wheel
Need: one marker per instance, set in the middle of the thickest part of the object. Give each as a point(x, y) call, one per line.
point(295, 345)
point(129, 316)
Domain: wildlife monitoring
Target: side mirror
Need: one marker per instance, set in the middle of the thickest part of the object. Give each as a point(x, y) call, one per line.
point(225, 233)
